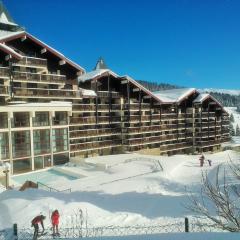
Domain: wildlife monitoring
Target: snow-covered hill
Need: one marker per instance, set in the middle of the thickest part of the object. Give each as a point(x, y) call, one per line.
point(226, 91)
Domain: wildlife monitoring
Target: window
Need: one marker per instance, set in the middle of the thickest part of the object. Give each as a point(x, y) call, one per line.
point(20, 119)
point(21, 145)
point(60, 118)
point(3, 120)
point(21, 165)
point(41, 119)
point(41, 141)
point(4, 146)
point(60, 139)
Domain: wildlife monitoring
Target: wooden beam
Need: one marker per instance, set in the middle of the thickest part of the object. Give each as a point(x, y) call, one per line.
point(8, 57)
point(43, 50)
point(124, 82)
point(136, 89)
point(62, 62)
point(23, 38)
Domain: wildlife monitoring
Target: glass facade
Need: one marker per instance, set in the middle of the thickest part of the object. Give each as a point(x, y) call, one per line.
point(38, 163)
point(41, 119)
point(61, 118)
point(20, 119)
point(60, 139)
point(4, 146)
point(21, 165)
point(60, 158)
point(3, 120)
point(41, 141)
point(21, 144)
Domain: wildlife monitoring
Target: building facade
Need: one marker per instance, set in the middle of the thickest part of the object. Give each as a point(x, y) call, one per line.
point(51, 109)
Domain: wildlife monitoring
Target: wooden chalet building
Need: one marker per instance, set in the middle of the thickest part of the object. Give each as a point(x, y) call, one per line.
point(51, 109)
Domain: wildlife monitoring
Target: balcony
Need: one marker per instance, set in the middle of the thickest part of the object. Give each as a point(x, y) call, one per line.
point(45, 93)
point(39, 78)
point(31, 62)
point(4, 90)
point(84, 107)
point(201, 144)
point(102, 94)
point(4, 72)
point(205, 115)
point(174, 147)
point(81, 147)
point(95, 133)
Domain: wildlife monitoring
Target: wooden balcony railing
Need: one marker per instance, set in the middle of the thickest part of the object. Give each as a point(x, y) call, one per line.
point(35, 77)
point(175, 146)
point(4, 90)
point(95, 145)
point(84, 107)
point(31, 61)
point(103, 94)
point(4, 71)
point(205, 115)
point(48, 93)
point(207, 143)
point(95, 132)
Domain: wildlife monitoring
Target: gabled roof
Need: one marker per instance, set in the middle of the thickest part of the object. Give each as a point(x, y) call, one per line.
point(204, 96)
point(95, 74)
point(8, 36)
point(174, 95)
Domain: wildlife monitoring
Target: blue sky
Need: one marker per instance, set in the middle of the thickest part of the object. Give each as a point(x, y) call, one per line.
point(193, 43)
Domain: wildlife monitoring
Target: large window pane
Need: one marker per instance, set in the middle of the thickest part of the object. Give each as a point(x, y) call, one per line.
point(41, 141)
point(21, 165)
point(60, 158)
point(21, 145)
point(41, 119)
point(20, 119)
point(3, 120)
point(38, 163)
point(60, 118)
point(4, 147)
point(60, 140)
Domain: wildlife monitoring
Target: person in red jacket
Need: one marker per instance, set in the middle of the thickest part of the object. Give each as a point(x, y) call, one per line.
point(38, 219)
point(55, 221)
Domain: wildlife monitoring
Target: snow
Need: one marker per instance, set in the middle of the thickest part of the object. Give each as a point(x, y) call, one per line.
point(117, 190)
point(226, 91)
point(173, 95)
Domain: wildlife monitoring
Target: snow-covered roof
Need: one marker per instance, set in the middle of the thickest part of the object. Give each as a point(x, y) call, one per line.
point(95, 73)
point(6, 34)
point(88, 93)
point(201, 97)
point(173, 95)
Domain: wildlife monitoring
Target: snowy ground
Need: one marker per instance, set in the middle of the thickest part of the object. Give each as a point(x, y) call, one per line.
point(124, 190)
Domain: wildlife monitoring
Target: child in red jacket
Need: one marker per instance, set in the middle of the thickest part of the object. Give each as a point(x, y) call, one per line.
point(55, 221)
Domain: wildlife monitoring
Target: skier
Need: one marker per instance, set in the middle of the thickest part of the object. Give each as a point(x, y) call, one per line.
point(209, 162)
point(38, 219)
point(201, 159)
point(55, 221)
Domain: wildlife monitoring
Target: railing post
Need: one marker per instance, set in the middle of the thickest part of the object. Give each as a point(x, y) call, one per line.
point(186, 225)
point(15, 231)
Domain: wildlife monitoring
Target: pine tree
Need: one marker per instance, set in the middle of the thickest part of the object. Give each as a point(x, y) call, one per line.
point(231, 130)
point(231, 118)
point(237, 130)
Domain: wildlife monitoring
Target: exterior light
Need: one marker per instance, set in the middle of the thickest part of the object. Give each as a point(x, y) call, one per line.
point(6, 170)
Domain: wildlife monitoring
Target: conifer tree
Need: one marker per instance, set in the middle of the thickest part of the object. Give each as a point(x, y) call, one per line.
point(231, 130)
point(231, 118)
point(237, 130)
